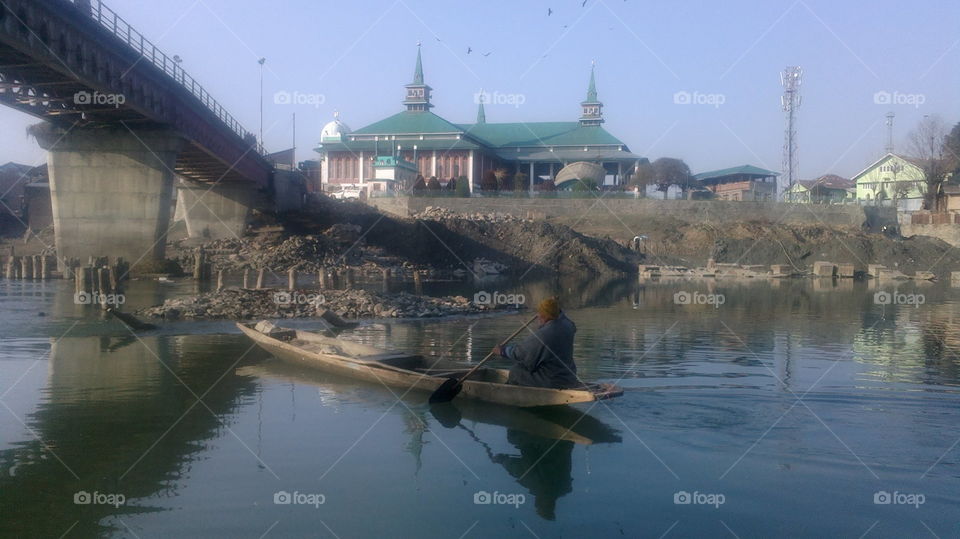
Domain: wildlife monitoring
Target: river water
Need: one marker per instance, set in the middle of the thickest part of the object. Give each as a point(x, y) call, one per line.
point(794, 408)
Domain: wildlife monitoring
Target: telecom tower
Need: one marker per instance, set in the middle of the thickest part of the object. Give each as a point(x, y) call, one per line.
point(889, 148)
point(790, 80)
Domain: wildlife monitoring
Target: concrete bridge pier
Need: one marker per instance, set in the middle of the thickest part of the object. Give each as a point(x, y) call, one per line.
point(111, 190)
point(214, 211)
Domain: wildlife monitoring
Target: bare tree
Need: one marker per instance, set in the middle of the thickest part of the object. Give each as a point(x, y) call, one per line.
point(669, 171)
point(927, 143)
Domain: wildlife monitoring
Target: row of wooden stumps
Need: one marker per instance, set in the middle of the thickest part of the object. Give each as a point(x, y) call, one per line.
point(203, 272)
point(98, 282)
point(35, 267)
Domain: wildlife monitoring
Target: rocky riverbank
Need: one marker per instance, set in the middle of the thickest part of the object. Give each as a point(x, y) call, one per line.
point(246, 304)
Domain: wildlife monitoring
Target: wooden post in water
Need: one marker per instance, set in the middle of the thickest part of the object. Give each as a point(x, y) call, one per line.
point(349, 277)
point(198, 265)
point(105, 289)
point(322, 278)
point(113, 279)
point(292, 278)
point(44, 267)
point(260, 279)
point(219, 280)
point(26, 264)
point(417, 283)
point(8, 270)
point(79, 280)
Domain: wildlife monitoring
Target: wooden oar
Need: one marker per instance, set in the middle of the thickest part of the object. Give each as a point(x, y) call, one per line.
point(451, 387)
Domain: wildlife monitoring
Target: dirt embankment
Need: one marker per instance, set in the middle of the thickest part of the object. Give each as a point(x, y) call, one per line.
point(338, 234)
point(752, 242)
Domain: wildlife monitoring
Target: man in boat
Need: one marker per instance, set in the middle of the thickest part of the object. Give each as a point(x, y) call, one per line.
point(545, 358)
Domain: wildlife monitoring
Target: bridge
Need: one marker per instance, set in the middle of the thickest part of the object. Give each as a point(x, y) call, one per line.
point(123, 123)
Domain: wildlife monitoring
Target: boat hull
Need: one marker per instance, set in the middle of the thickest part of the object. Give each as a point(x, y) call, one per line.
point(491, 388)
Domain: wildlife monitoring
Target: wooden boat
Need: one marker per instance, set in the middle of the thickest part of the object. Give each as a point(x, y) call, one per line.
point(407, 371)
point(554, 422)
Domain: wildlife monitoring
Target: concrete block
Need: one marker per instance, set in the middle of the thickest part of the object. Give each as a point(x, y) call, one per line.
point(846, 271)
point(873, 270)
point(891, 274)
point(781, 270)
point(824, 269)
point(924, 275)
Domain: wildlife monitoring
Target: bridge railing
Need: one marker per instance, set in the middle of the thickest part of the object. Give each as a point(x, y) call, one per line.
point(120, 28)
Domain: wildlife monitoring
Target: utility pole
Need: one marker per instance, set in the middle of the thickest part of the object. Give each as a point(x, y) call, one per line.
point(261, 62)
point(889, 148)
point(790, 79)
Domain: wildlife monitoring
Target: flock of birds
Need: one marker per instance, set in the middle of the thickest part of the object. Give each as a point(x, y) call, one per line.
point(549, 13)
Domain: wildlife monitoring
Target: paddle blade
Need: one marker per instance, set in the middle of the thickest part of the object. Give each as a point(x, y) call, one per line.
point(449, 389)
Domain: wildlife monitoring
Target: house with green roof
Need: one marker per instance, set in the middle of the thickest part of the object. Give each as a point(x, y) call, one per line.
point(438, 147)
point(745, 182)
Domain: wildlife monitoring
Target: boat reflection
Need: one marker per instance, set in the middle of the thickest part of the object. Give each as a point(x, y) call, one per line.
point(543, 437)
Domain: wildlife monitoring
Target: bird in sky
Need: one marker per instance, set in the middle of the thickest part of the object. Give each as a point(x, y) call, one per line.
point(469, 50)
point(584, 4)
point(549, 11)
point(488, 53)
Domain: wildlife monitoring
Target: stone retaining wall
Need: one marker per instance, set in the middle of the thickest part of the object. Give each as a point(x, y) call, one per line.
point(711, 211)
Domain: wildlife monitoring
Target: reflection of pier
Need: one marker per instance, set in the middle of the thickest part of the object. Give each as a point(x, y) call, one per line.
point(104, 422)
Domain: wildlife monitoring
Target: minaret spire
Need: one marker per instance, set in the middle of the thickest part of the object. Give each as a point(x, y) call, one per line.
point(418, 71)
point(592, 89)
point(418, 93)
point(591, 113)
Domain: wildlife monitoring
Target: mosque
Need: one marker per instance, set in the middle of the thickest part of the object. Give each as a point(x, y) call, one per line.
point(384, 155)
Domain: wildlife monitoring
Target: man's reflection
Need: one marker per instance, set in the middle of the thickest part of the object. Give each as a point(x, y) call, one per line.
point(543, 466)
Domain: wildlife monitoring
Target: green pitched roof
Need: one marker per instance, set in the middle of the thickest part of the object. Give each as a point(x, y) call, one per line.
point(498, 135)
point(409, 122)
point(386, 147)
point(747, 170)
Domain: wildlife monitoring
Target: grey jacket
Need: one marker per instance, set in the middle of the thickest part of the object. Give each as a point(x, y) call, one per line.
point(545, 358)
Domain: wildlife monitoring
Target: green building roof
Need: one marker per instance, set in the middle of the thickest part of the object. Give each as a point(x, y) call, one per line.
point(499, 135)
point(408, 122)
point(745, 170)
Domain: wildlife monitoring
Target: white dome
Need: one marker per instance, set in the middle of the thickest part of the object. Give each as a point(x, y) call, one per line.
point(334, 130)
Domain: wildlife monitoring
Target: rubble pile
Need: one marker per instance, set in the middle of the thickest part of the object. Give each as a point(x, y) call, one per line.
point(244, 304)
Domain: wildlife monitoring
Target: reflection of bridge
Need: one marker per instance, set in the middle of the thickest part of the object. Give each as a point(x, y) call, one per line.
point(124, 121)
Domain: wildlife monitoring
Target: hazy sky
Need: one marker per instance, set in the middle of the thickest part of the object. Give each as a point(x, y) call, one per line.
point(355, 55)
